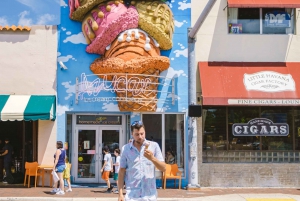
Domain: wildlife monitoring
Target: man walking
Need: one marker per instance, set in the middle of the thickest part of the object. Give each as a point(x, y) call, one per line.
point(137, 166)
point(8, 150)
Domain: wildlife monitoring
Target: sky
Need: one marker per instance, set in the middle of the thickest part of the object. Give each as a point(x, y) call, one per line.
point(29, 12)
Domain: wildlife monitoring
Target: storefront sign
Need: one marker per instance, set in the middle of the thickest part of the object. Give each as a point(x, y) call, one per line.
point(99, 120)
point(277, 19)
point(260, 127)
point(235, 28)
point(284, 102)
point(86, 144)
point(268, 81)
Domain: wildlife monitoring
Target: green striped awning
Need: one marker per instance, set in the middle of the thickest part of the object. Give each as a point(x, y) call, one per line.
point(27, 107)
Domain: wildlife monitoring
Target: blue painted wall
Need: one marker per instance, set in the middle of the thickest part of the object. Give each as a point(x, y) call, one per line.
point(71, 51)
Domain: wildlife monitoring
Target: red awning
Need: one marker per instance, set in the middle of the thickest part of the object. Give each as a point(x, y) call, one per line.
point(240, 83)
point(263, 3)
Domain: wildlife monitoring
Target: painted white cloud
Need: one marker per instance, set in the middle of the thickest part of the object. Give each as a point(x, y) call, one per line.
point(179, 24)
point(162, 109)
point(183, 5)
point(183, 109)
point(135, 114)
point(63, 28)
point(183, 52)
point(3, 21)
point(170, 3)
point(23, 20)
point(70, 89)
point(64, 58)
point(62, 109)
point(175, 96)
point(171, 73)
point(63, 3)
point(110, 107)
point(76, 39)
point(68, 32)
point(45, 19)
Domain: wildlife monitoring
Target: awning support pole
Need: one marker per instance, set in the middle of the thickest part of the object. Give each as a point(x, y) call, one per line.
point(193, 178)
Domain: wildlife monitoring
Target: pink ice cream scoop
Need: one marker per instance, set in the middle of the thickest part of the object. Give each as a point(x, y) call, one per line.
point(105, 23)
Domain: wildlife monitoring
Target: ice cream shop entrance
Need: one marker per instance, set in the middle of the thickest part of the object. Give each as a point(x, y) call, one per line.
point(89, 142)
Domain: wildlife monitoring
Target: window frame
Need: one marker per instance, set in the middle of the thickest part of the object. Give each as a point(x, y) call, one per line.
point(184, 169)
point(293, 24)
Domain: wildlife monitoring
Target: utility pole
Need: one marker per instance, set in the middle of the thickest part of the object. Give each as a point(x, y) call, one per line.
point(192, 124)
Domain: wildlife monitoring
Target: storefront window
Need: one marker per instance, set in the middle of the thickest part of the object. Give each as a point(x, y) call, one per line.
point(169, 137)
point(174, 138)
point(242, 115)
point(244, 146)
point(153, 124)
point(214, 135)
point(260, 21)
point(278, 115)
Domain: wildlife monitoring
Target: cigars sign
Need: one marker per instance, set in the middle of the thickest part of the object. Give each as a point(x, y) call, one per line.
point(269, 81)
point(260, 127)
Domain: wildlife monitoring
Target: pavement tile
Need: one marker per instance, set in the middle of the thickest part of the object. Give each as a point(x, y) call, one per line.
point(270, 199)
point(203, 194)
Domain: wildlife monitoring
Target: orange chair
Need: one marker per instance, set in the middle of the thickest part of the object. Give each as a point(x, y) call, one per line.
point(31, 170)
point(172, 172)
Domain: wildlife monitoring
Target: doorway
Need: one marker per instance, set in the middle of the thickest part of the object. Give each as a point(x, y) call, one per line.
point(88, 156)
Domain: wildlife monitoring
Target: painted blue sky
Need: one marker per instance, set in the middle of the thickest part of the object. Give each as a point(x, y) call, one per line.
point(29, 12)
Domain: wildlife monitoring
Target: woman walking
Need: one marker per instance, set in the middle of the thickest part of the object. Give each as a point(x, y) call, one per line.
point(59, 166)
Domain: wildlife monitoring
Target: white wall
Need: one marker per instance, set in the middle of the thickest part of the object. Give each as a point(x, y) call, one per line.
point(28, 66)
point(28, 61)
point(215, 44)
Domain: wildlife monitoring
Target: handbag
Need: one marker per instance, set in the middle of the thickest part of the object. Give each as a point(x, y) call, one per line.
point(55, 176)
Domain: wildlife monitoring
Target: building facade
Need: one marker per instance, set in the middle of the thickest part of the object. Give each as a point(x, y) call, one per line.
point(119, 62)
point(248, 84)
point(28, 95)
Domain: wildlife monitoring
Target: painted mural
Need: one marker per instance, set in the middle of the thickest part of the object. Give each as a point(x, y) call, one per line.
point(128, 56)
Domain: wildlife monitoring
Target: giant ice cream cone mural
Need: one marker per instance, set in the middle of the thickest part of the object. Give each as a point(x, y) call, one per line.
point(129, 38)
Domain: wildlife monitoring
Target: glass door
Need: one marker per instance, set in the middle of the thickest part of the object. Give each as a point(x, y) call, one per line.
point(110, 137)
point(86, 155)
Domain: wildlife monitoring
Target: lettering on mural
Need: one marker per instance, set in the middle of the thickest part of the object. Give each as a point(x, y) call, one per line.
point(136, 85)
point(260, 127)
point(269, 81)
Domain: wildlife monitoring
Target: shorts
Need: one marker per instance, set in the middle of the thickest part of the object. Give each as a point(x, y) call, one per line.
point(105, 175)
point(60, 168)
point(116, 176)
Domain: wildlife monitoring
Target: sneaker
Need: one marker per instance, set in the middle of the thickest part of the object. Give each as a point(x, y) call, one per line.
point(55, 190)
point(5, 182)
point(111, 187)
point(60, 193)
point(116, 192)
point(69, 190)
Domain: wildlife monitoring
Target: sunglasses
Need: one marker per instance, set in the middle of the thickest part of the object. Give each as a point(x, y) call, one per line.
point(137, 123)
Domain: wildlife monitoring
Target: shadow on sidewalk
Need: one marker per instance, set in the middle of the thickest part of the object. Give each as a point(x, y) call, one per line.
point(49, 193)
point(104, 192)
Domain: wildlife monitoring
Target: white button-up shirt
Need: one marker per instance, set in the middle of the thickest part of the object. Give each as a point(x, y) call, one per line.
point(140, 172)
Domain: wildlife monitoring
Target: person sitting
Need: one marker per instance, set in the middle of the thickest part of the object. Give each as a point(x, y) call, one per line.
point(170, 157)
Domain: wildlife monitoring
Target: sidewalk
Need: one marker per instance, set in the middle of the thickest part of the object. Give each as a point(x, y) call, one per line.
point(204, 194)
